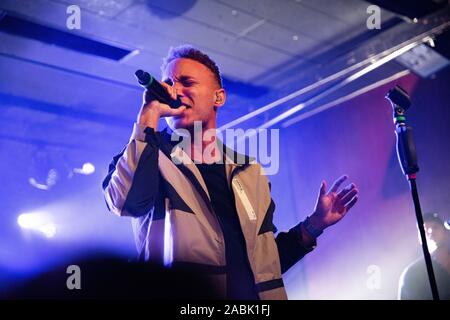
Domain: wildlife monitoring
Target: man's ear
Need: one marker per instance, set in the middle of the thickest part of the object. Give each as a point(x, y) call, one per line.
point(219, 97)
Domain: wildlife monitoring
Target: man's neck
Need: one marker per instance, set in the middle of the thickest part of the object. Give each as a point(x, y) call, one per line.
point(204, 148)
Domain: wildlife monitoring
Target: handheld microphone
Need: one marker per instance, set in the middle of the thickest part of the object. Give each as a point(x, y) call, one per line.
point(156, 89)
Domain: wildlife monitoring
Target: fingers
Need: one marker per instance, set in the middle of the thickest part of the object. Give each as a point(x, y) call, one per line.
point(346, 190)
point(349, 205)
point(171, 90)
point(349, 195)
point(178, 111)
point(338, 183)
point(149, 97)
point(167, 111)
point(323, 188)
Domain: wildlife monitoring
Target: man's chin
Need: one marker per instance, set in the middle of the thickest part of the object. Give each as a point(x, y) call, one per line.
point(179, 123)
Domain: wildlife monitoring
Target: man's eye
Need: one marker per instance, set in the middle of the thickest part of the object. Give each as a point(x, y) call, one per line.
point(188, 83)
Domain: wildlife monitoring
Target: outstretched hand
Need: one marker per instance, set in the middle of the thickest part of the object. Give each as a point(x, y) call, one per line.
point(332, 206)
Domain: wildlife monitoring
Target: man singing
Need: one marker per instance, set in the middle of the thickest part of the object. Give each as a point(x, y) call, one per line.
point(213, 212)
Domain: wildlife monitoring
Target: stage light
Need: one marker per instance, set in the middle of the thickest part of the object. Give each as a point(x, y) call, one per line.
point(49, 230)
point(87, 169)
point(52, 178)
point(29, 220)
point(37, 221)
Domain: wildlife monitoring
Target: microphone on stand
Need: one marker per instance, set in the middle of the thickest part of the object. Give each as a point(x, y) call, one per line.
point(156, 89)
point(407, 156)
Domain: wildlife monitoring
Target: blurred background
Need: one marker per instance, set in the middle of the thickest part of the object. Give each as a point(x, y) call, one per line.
point(317, 70)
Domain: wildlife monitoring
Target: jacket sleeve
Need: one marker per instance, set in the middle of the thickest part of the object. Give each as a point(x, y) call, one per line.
point(132, 183)
point(291, 247)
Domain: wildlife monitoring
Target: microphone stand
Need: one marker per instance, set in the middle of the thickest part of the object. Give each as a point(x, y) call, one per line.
point(406, 151)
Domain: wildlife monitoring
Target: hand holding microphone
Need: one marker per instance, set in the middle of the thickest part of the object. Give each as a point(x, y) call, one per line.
point(160, 100)
point(157, 90)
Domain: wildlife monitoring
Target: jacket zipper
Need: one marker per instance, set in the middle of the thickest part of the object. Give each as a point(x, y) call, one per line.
point(233, 173)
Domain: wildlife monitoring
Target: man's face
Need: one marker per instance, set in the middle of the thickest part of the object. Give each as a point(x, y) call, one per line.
point(197, 88)
point(435, 232)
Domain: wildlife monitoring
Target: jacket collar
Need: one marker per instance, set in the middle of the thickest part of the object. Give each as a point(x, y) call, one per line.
point(232, 159)
point(229, 155)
